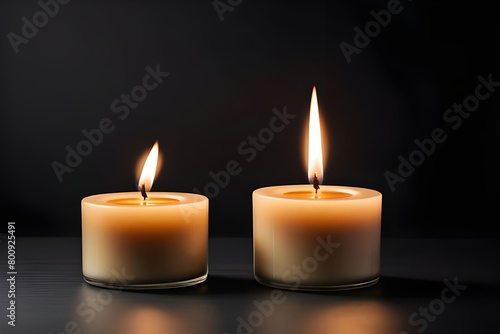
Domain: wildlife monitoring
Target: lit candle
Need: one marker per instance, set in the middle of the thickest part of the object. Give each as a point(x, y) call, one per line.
point(316, 237)
point(142, 240)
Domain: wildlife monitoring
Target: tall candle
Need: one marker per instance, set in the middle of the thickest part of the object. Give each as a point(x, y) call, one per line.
point(316, 237)
point(143, 240)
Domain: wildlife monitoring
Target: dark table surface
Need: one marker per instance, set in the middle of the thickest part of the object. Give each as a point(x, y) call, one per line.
point(413, 294)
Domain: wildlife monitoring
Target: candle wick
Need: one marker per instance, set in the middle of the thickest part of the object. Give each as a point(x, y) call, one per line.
point(315, 183)
point(143, 192)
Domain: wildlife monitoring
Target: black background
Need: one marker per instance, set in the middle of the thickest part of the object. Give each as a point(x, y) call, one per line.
point(225, 79)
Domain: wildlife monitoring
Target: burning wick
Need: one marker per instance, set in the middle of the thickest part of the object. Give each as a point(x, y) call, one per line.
point(315, 183)
point(143, 192)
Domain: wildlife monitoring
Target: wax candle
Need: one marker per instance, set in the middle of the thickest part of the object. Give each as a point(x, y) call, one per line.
point(316, 237)
point(143, 239)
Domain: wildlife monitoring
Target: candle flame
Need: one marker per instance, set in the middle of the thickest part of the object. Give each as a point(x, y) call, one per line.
point(149, 169)
point(314, 148)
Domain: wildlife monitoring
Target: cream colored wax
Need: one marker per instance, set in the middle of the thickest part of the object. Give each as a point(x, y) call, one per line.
point(329, 240)
point(160, 242)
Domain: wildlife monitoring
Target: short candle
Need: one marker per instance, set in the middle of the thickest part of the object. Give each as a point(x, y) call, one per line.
point(159, 240)
point(312, 237)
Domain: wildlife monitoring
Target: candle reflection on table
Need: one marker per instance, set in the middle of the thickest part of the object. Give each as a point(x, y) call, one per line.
point(106, 311)
point(330, 314)
point(353, 317)
point(152, 321)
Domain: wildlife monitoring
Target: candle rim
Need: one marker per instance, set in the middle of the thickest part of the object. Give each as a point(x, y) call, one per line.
point(183, 198)
point(319, 195)
point(149, 201)
point(279, 192)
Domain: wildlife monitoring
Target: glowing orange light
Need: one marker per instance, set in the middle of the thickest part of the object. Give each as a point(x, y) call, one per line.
point(315, 148)
point(149, 169)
